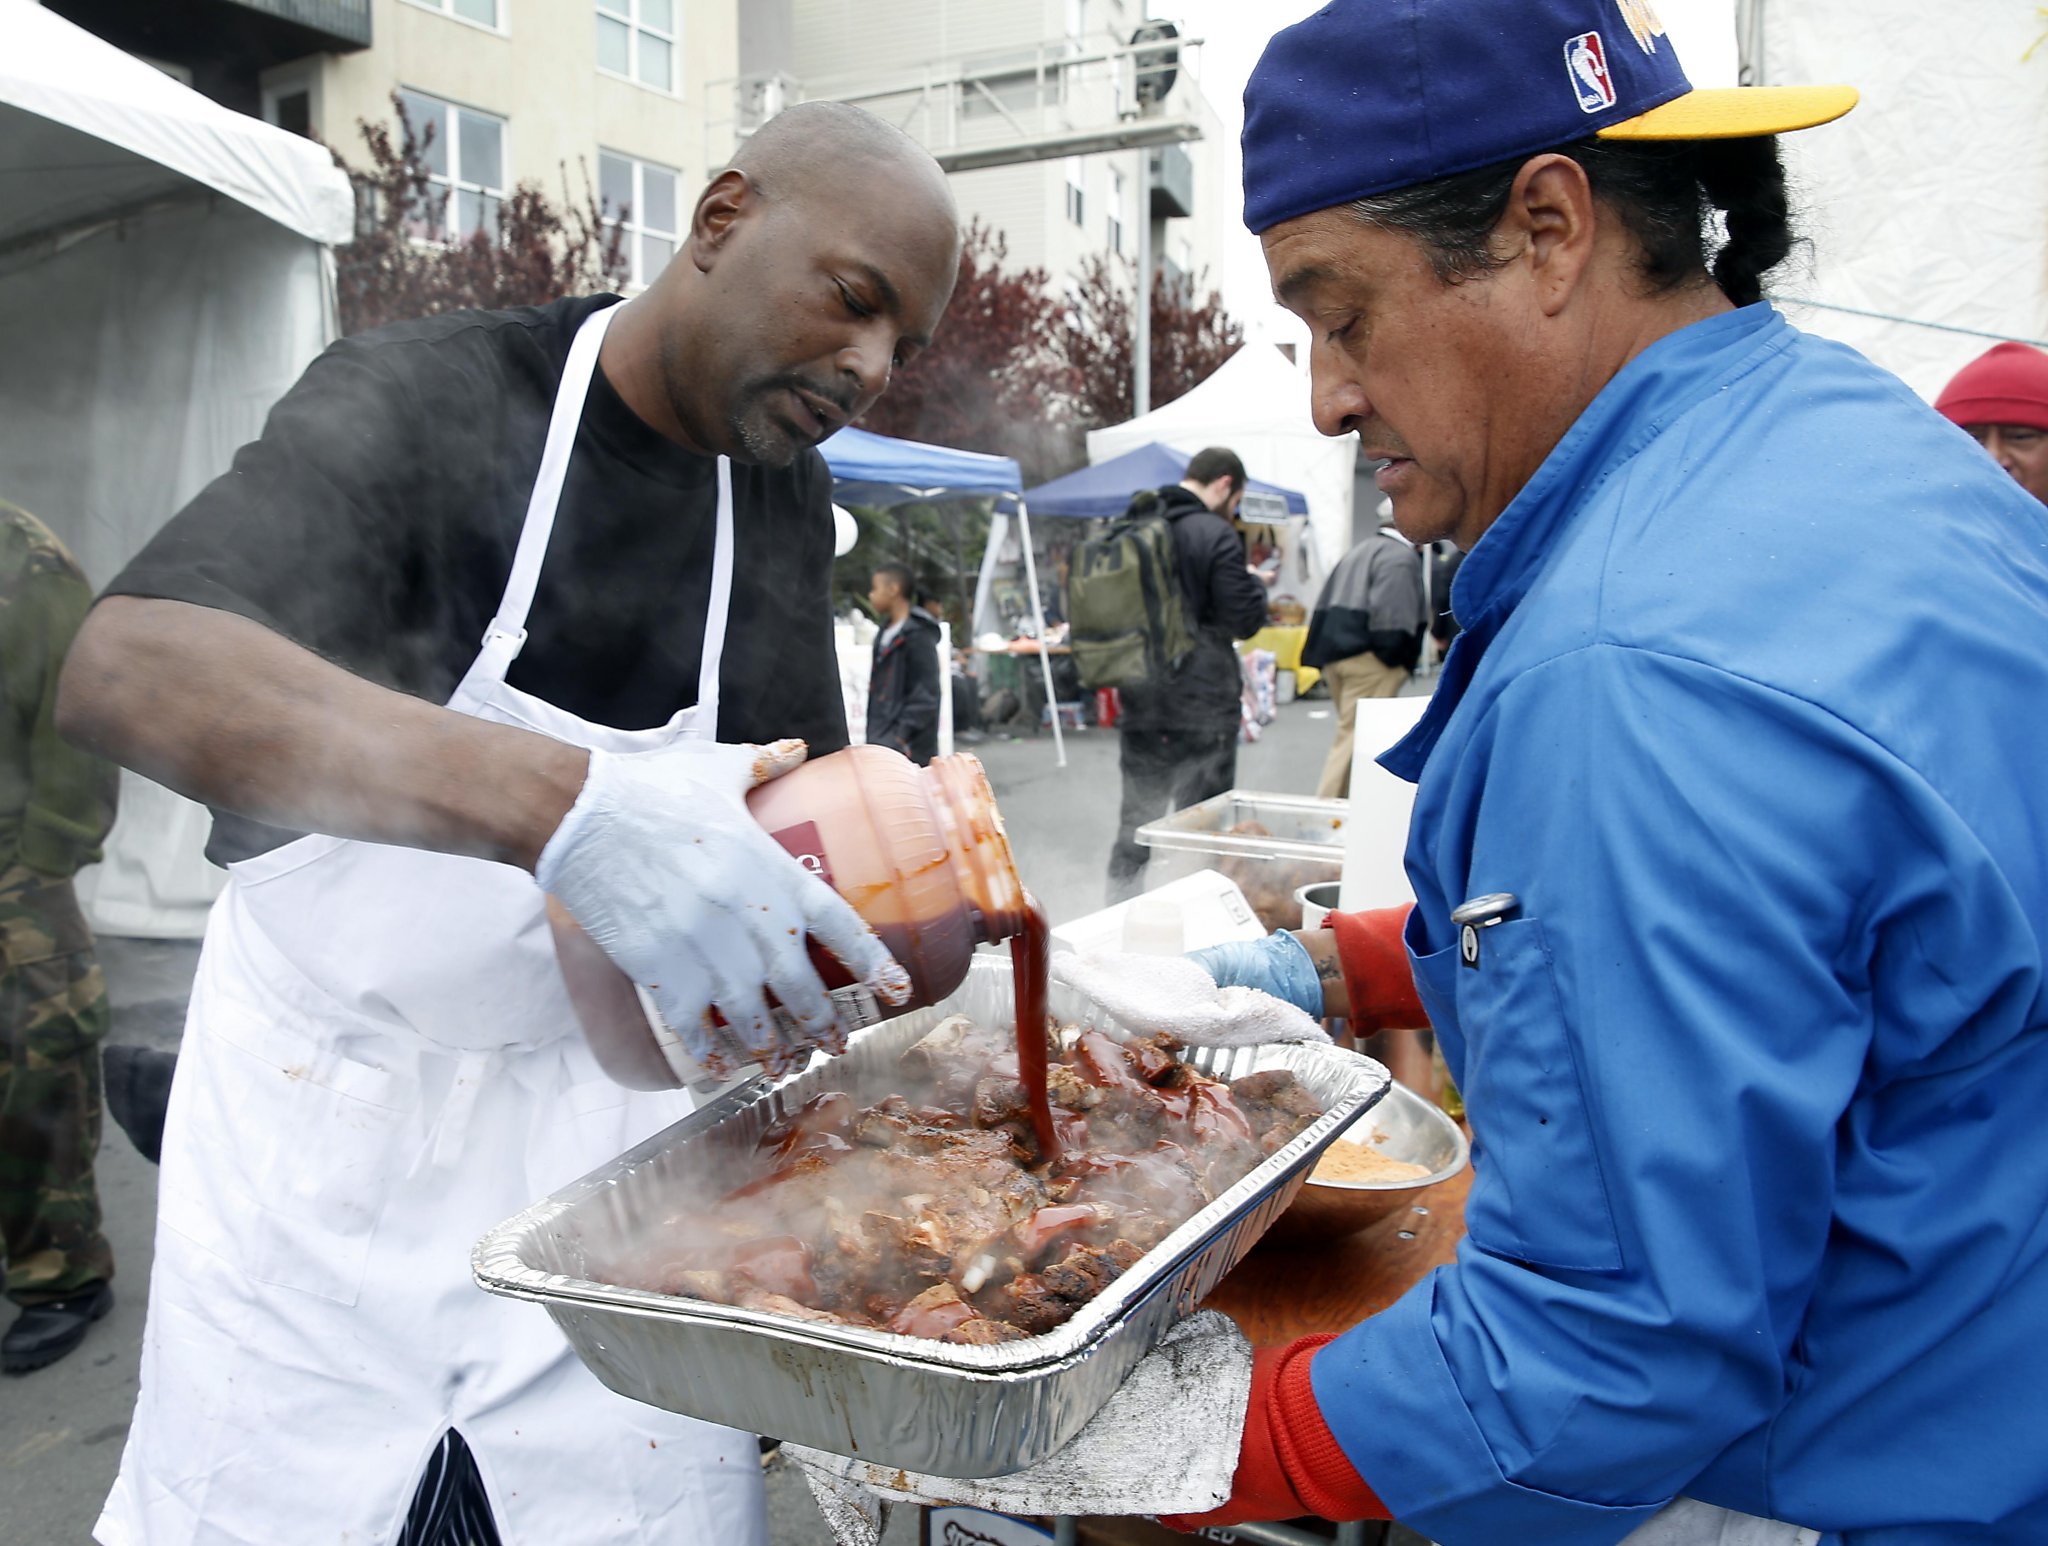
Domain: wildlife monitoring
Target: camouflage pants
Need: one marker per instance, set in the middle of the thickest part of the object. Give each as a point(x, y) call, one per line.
point(53, 1013)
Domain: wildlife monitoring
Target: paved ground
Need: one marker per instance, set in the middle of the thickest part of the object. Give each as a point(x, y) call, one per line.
point(61, 1429)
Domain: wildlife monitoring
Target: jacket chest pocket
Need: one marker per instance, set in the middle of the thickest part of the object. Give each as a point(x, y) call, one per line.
point(1538, 1192)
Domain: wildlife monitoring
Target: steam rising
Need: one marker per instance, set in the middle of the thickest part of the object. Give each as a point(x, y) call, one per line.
point(929, 1212)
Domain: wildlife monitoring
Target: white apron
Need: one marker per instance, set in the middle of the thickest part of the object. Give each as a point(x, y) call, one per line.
point(380, 1063)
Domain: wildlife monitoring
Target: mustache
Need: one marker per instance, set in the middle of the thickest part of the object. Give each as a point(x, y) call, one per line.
point(837, 395)
point(1381, 443)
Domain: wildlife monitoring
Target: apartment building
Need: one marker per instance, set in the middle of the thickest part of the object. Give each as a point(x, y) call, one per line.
point(646, 98)
point(552, 92)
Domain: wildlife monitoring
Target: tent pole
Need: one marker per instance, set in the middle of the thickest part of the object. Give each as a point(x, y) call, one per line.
point(1749, 36)
point(1052, 699)
point(1141, 342)
point(984, 582)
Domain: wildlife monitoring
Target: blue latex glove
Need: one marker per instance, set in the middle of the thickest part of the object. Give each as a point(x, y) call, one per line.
point(1278, 964)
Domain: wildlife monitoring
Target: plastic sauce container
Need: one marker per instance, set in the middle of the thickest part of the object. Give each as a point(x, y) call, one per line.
point(920, 853)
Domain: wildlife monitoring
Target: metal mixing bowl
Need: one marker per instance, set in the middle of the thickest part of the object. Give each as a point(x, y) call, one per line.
point(1416, 1131)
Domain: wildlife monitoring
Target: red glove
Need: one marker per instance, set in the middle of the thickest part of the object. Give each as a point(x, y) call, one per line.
point(1288, 1463)
point(1376, 971)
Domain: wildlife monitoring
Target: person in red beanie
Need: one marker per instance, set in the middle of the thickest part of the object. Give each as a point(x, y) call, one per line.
point(2001, 401)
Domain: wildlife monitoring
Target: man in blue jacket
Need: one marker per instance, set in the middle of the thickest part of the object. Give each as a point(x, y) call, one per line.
point(1731, 886)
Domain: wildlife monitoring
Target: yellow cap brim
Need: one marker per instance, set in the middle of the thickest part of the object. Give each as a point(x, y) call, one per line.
point(1736, 112)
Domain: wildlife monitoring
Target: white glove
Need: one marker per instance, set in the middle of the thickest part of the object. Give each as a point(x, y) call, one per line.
point(664, 867)
point(1147, 994)
point(1166, 1443)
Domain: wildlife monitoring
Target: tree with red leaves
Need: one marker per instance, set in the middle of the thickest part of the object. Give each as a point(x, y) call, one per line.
point(1020, 371)
point(538, 252)
point(993, 380)
point(1190, 339)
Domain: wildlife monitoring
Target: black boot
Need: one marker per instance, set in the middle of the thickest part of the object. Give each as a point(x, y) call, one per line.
point(44, 1333)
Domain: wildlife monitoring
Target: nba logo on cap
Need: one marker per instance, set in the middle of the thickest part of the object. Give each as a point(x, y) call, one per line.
point(1586, 62)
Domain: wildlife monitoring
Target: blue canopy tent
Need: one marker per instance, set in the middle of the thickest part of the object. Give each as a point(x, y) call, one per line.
point(881, 472)
point(1106, 488)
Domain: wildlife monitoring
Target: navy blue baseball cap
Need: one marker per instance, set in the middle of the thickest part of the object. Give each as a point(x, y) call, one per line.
point(1367, 96)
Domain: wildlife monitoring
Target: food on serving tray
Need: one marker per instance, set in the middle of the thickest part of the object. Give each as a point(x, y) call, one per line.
point(1348, 1161)
point(1269, 885)
point(934, 1213)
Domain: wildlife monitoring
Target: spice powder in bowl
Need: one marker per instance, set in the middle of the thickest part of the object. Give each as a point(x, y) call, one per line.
point(1346, 1160)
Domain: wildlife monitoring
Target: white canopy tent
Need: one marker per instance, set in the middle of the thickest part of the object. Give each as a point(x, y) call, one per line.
point(164, 277)
point(1922, 206)
point(1257, 404)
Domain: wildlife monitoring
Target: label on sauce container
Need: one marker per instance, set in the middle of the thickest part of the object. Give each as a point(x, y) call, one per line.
point(804, 842)
point(855, 1003)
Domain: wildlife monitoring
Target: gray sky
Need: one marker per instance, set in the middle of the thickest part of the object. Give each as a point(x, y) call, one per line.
point(1235, 33)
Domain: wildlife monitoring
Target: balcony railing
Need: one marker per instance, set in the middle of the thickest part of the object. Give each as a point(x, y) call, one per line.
point(1058, 99)
point(346, 22)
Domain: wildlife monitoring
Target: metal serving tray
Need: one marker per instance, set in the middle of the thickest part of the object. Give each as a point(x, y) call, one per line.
point(899, 1401)
point(1303, 843)
point(1298, 826)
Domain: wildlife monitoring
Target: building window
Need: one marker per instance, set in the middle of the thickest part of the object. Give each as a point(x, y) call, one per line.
point(637, 39)
point(288, 102)
point(465, 156)
point(1116, 211)
point(640, 199)
point(1077, 190)
point(483, 12)
point(1077, 18)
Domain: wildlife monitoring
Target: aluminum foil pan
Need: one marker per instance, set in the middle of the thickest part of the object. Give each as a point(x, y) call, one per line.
point(894, 1400)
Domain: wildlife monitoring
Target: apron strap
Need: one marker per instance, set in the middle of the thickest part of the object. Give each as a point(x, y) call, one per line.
point(546, 497)
point(704, 724)
point(506, 636)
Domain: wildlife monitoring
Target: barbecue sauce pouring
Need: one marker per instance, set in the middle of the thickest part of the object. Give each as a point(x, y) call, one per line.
point(921, 855)
point(1031, 963)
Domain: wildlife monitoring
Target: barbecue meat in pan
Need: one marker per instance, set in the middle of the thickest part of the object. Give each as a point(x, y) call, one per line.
point(932, 1213)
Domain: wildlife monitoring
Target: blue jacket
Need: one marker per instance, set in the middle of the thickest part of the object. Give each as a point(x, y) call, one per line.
point(1751, 714)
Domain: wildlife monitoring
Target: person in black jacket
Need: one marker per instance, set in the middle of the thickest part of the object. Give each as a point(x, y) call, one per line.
point(1179, 732)
point(903, 686)
point(1365, 637)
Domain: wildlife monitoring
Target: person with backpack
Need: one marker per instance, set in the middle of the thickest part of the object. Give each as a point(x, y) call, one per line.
point(1171, 653)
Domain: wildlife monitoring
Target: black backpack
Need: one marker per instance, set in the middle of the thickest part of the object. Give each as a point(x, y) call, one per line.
point(1127, 619)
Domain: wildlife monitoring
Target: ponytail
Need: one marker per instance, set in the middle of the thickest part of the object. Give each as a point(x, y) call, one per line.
point(1745, 180)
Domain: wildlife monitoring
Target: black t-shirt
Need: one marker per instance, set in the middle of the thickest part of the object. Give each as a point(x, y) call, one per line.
point(375, 520)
